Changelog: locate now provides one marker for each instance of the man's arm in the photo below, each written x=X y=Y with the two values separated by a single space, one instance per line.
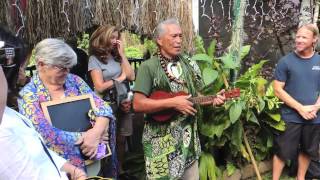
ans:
x=65 y=166
x=316 y=106
x=304 y=111
x=125 y=65
x=141 y=103
x=74 y=172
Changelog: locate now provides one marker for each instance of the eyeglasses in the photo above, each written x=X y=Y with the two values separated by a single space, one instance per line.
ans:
x=59 y=68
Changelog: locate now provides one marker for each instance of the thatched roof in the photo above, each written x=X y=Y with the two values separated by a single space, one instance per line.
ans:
x=62 y=18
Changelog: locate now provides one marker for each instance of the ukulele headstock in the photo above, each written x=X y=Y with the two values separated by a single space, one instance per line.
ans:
x=233 y=93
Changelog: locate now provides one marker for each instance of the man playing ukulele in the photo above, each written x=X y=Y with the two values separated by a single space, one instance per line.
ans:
x=171 y=146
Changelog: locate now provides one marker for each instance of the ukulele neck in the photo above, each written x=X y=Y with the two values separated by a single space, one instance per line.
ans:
x=202 y=99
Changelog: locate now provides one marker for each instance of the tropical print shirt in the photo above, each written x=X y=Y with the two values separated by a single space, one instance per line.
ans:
x=60 y=141
x=172 y=146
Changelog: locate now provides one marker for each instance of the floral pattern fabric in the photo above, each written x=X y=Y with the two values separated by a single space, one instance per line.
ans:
x=60 y=141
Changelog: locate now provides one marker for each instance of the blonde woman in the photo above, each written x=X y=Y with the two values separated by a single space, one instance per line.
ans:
x=109 y=67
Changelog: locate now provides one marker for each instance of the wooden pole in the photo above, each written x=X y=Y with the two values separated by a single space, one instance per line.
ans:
x=256 y=169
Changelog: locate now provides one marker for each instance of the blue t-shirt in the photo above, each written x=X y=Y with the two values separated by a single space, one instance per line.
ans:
x=302 y=82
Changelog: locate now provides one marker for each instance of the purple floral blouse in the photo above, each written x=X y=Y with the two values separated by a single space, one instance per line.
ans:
x=58 y=140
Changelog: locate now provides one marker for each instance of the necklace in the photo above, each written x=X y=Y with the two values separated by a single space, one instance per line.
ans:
x=172 y=68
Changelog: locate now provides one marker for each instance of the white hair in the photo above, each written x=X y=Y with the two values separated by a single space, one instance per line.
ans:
x=160 y=30
x=55 y=52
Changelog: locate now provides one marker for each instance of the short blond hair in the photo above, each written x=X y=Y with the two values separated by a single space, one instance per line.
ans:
x=311 y=27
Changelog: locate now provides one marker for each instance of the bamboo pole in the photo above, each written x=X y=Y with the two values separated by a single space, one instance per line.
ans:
x=254 y=163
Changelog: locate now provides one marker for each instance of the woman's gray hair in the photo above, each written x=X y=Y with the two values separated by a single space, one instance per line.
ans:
x=160 y=30
x=55 y=52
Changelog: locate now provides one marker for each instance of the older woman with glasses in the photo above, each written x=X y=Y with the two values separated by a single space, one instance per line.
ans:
x=53 y=81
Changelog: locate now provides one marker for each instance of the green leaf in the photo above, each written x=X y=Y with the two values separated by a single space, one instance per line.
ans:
x=244 y=152
x=210 y=129
x=237 y=133
x=280 y=126
x=250 y=116
x=235 y=111
x=207 y=167
x=270 y=91
x=228 y=62
x=262 y=104
x=209 y=75
x=202 y=57
x=230 y=169
x=199 y=45
x=253 y=71
x=244 y=51
x=261 y=82
x=270 y=104
x=219 y=142
x=269 y=141
x=276 y=117
x=203 y=167
x=212 y=48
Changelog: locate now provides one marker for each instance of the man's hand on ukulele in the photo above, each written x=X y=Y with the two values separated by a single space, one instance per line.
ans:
x=219 y=99
x=183 y=105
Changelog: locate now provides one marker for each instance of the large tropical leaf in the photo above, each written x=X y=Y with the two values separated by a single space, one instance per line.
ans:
x=207 y=167
x=228 y=62
x=250 y=116
x=235 y=111
x=230 y=168
x=202 y=57
x=270 y=91
x=261 y=104
x=237 y=134
x=199 y=45
x=261 y=83
x=244 y=51
x=280 y=126
x=276 y=117
x=253 y=71
x=210 y=129
x=212 y=48
x=209 y=75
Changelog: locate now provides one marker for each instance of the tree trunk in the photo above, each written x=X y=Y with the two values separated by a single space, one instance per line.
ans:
x=316 y=12
x=306 y=12
x=237 y=32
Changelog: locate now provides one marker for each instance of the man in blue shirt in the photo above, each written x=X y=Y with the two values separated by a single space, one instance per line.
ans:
x=297 y=84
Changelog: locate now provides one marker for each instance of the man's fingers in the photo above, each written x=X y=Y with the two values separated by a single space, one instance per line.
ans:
x=85 y=151
x=79 y=141
x=93 y=154
x=220 y=97
x=309 y=116
x=191 y=111
x=105 y=138
x=222 y=91
x=188 y=112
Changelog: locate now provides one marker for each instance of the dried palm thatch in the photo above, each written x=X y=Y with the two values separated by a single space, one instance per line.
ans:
x=62 y=18
x=5 y=11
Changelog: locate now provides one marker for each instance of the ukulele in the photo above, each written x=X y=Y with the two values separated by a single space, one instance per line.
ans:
x=165 y=115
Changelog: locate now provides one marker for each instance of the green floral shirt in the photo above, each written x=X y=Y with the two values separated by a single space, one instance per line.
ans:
x=171 y=146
